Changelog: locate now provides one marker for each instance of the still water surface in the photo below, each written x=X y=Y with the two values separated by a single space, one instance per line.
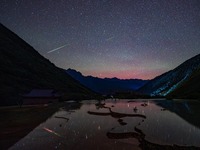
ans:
x=117 y=124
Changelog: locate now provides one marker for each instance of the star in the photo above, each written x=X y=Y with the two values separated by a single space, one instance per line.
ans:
x=124 y=39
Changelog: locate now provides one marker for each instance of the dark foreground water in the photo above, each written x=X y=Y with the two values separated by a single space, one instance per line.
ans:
x=117 y=124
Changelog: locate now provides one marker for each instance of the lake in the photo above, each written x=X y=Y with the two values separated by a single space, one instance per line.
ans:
x=117 y=124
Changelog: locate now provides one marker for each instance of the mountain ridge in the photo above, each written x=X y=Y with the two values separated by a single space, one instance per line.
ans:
x=22 y=68
x=189 y=89
x=166 y=83
x=106 y=85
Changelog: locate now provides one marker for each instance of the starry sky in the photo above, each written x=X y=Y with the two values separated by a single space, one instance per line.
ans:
x=108 y=38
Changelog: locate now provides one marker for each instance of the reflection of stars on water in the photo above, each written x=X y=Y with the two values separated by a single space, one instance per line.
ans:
x=143 y=112
x=99 y=127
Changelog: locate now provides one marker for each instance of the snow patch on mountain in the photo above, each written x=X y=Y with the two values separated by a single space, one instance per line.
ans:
x=168 y=82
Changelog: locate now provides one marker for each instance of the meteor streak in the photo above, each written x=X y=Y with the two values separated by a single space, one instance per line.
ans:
x=108 y=39
x=51 y=131
x=57 y=48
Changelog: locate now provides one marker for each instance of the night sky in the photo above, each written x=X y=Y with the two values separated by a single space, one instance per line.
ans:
x=108 y=38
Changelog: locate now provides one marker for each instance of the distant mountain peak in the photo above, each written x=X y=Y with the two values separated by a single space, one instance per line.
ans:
x=106 y=85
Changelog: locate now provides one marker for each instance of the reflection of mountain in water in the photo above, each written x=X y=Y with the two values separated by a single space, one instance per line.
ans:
x=113 y=124
x=188 y=110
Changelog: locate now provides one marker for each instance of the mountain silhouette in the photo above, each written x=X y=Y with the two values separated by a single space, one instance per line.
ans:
x=22 y=68
x=189 y=89
x=184 y=78
x=107 y=85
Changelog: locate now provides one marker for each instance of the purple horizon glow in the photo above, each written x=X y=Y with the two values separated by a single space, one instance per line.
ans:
x=108 y=38
x=125 y=74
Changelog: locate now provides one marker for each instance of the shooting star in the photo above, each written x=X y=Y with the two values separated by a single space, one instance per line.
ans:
x=108 y=39
x=53 y=50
